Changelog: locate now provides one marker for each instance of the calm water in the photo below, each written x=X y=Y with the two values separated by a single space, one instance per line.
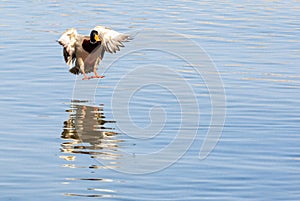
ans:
x=53 y=148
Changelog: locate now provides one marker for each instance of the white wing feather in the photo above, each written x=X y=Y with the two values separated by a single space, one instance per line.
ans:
x=68 y=41
x=111 y=40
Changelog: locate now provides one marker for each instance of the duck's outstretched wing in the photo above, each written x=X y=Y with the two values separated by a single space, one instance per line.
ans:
x=68 y=41
x=111 y=40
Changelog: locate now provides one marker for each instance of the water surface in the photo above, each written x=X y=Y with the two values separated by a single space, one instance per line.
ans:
x=52 y=148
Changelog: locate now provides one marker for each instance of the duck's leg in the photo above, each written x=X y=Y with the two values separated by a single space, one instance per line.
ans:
x=85 y=77
x=81 y=65
x=95 y=71
x=96 y=74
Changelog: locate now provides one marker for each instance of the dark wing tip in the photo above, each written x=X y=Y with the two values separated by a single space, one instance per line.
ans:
x=59 y=42
x=66 y=55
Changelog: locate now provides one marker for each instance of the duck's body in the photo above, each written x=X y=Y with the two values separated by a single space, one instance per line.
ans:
x=88 y=51
x=87 y=54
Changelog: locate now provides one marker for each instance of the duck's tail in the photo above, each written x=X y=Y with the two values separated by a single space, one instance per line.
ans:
x=75 y=70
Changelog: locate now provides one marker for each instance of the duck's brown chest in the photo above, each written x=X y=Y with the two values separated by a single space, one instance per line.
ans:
x=88 y=46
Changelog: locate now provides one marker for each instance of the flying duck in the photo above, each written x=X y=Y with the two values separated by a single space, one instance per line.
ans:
x=88 y=51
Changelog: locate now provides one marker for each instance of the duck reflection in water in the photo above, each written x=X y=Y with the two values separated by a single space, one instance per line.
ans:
x=87 y=133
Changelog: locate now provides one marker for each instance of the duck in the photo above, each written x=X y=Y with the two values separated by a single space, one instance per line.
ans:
x=86 y=52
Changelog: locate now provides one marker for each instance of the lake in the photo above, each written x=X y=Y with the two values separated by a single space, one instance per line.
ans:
x=203 y=103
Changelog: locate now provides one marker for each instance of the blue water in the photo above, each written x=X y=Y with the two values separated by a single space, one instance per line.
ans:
x=55 y=149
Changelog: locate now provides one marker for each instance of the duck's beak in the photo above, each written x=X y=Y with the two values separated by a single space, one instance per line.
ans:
x=97 y=38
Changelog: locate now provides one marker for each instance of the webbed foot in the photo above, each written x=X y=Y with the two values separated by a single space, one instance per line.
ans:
x=98 y=76
x=86 y=78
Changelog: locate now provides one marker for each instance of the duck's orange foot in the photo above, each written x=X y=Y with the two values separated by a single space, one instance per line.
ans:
x=86 y=78
x=98 y=76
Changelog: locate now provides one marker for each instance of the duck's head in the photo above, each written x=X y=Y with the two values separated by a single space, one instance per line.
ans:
x=94 y=37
